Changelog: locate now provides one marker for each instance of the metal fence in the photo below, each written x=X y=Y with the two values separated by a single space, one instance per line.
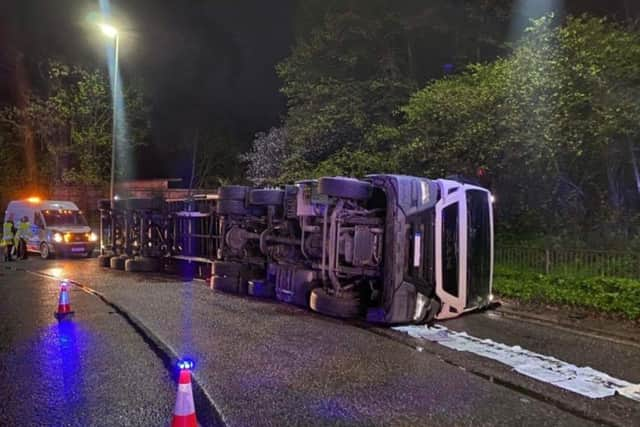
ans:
x=570 y=261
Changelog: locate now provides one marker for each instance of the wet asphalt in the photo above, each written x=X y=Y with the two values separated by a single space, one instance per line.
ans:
x=264 y=363
x=91 y=371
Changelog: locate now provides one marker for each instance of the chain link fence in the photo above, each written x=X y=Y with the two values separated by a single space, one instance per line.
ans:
x=580 y=262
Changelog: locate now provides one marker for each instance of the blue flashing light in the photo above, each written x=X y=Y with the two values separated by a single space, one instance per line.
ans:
x=186 y=364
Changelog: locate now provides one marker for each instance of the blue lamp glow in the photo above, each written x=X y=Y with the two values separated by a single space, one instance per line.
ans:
x=186 y=364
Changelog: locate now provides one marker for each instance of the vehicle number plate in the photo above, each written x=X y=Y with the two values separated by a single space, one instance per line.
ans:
x=77 y=249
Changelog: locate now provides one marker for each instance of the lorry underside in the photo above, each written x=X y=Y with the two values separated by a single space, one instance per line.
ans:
x=389 y=248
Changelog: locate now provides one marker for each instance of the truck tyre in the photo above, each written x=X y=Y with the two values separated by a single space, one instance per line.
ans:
x=233 y=192
x=265 y=197
x=347 y=188
x=104 y=260
x=261 y=289
x=434 y=309
x=231 y=207
x=229 y=285
x=258 y=211
x=345 y=306
x=142 y=264
x=117 y=262
x=301 y=293
x=226 y=269
x=45 y=252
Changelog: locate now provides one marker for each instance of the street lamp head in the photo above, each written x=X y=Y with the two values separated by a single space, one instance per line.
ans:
x=108 y=30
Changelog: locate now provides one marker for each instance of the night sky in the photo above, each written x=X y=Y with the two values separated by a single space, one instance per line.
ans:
x=203 y=63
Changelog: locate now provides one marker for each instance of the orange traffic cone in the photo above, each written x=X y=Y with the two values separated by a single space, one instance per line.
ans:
x=184 y=414
x=64 y=305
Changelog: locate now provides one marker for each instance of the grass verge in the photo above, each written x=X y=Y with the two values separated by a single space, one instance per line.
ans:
x=605 y=294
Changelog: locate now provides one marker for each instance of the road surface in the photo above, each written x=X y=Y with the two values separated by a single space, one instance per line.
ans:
x=265 y=363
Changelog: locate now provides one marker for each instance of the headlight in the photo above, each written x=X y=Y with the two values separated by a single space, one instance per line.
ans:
x=93 y=237
x=67 y=237
x=57 y=237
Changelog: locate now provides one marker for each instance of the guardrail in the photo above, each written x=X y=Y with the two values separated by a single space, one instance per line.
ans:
x=582 y=262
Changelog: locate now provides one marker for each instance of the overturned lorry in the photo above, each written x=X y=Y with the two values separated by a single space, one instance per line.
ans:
x=391 y=249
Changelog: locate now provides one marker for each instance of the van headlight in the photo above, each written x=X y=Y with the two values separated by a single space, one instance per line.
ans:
x=57 y=237
x=93 y=237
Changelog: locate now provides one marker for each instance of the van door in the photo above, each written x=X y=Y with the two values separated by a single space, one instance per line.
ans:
x=37 y=232
x=451 y=254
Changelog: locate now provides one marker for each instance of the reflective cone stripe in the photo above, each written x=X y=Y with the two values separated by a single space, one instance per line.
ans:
x=64 y=306
x=184 y=414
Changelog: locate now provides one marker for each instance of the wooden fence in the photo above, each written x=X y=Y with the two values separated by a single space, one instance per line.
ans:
x=571 y=261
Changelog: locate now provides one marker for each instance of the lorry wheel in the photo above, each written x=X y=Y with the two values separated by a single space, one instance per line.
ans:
x=434 y=309
x=117 y=262
x=226 y=268
x=345 y=307
x=258 y=211
x=142 y=264
x=233 y=192
x=265 y=197
x=104 y=260
x=229 y=285
x=347 y=188
x=261 y=289
x=231 y=207
x=45 y=252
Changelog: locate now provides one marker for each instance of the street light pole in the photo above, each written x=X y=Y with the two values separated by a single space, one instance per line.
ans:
x=112 y=33
x=114 y=130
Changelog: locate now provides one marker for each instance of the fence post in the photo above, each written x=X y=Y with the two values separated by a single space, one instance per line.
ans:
x=547 y=261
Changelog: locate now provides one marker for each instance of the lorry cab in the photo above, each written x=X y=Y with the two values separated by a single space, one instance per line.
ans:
x=57 y=227
x=439 y=242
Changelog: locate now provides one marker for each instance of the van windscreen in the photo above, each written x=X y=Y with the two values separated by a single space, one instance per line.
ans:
x=63 y=218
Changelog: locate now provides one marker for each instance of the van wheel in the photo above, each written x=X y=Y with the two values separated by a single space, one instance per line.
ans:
x=346 y=306
x=45 y=252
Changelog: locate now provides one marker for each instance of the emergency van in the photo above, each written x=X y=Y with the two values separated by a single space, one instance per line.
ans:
x=57 y=227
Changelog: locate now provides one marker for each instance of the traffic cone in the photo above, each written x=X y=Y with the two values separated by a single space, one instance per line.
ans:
x=64 y=304
x=184 y=414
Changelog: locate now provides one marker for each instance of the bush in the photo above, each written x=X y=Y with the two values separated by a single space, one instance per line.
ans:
x=604 y=294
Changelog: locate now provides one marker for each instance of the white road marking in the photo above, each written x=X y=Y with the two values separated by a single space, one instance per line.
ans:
x=582 y=380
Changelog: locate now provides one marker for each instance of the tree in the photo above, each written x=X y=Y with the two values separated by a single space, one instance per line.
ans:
x=216 y=156
x=266 y=158
x=66 y=128
x=555 y=123
x=348 y=76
